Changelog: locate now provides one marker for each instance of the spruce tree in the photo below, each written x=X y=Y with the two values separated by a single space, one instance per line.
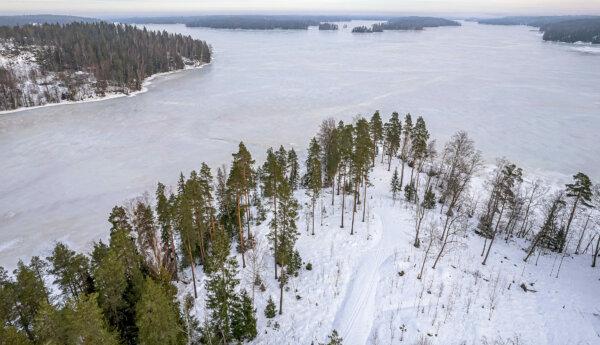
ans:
x=243 y=323
x=313 y=177
x=329 y=140
x=581 y=193
x=395 y=184
x=221 y=297
x=270 y=309
x=334 y=339
x=164 y=213
x=429 y=199
x=158 y=318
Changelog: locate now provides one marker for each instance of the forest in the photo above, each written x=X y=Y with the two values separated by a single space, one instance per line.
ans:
x=575 y=30
x=208 y=225
x=114 y=58
x=43 y=19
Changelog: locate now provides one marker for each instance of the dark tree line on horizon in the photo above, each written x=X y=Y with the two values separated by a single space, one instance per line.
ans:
x=568 y=29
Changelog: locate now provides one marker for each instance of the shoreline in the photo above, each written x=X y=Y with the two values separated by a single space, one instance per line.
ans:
x=147 y=82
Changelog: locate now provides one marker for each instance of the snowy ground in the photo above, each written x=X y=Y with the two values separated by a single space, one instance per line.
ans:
x=356 y=286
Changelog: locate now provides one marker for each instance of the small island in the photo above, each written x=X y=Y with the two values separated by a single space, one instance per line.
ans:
x=417 y=23
x=328 y=26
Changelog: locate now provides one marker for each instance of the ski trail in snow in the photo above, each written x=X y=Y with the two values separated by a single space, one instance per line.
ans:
x=355 y=316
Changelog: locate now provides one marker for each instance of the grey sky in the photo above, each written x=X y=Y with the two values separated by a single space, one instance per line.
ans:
x=99 y=7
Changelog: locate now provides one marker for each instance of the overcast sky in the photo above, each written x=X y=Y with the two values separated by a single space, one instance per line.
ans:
x=132 y=7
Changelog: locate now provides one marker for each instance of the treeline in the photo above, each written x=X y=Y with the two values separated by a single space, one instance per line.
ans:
x=569 y=29
x=536 y=21
x=43 y=19
x=291 y=22
x=417 y=23
x=328 y=26
x=119 y=57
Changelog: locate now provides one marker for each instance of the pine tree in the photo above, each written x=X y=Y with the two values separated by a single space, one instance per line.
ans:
x=361 y=162
x=395 y=184
x=158 y=318
x=272 y=183
x=329 y=138
x=243 y=321
x=346 y=144
x=240 y=181
x=392 y=133
x=164 y=212
x=270 y=309
x=286 y=254
x=30 y=294
x=313 y=177
x=581 y=193
x=294 y=169
x=376 y=126
x=407 y=132
x=71 y=270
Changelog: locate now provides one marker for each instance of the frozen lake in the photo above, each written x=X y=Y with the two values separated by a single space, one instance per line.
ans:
x=63 y=168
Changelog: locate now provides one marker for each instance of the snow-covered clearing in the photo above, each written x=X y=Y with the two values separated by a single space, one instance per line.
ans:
x=366 y=287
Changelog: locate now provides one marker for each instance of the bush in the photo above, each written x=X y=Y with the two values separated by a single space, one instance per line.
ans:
x=309 y=266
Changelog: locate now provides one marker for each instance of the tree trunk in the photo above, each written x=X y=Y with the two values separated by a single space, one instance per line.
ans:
x=313 y=215
x=280 y=298
x=488 y=250
x=241 y=231
x=596 y=252
x=582 y=234
x=354 y=207
x=364 y=200
x=343 y=200
x=401 y=173
x=562 y=246
x=192 y=264
x=333 y=191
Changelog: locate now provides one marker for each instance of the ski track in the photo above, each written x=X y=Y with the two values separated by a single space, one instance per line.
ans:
x=356 y=314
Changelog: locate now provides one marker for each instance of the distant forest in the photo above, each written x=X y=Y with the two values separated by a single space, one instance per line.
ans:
x=571 y=31
x=567 y=29
x=290 y=22
x=417 y=23
x=116 y=55
x=43 y=19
